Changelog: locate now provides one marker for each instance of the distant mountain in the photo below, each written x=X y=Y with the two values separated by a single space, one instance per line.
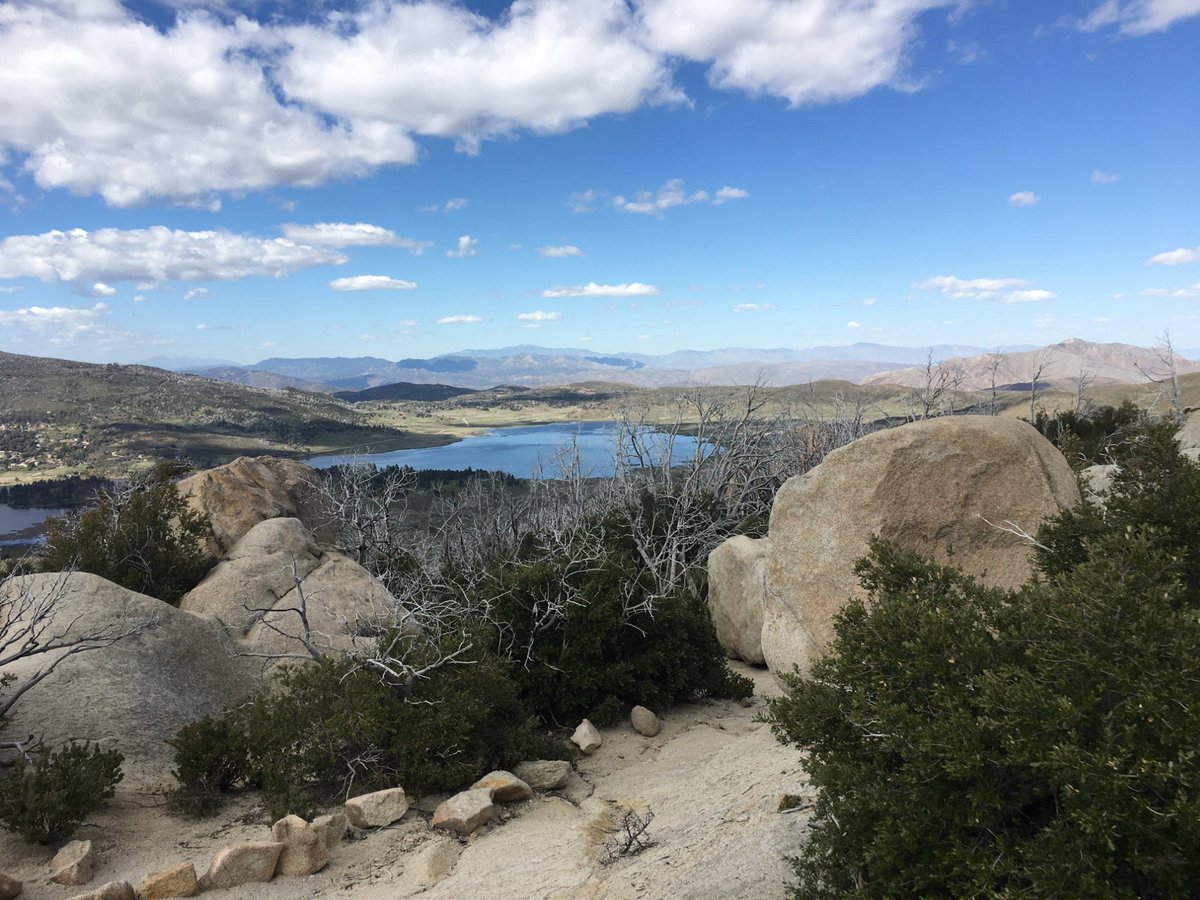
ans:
x=259 y=378
x=404 y=390
x=1061 y=364
x=185 y=363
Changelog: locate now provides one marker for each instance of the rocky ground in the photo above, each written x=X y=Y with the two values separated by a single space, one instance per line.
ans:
x=713 y=778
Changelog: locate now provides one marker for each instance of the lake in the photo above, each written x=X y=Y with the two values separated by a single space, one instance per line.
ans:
x=23 y=526
x=521 y=452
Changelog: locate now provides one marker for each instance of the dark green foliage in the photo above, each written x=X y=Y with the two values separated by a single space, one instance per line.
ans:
x=46 y=800
x=1089 y=437
x=144 y=537
x=324 y=727
x=1037 y=743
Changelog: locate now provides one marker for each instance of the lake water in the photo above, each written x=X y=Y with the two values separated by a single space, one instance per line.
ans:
x=521 y=452
x=23 y=526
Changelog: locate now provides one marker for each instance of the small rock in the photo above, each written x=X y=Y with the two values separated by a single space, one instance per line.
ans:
x=332 y=828
x=74 y=864
x=9 y=887
x=113 y=890
x=465 y=811
x=304 y=851
x=644 y=721
x=746 y=702
x=378 y=809
x=433 y=862
x=177 y=881
x=253 y=861
x=587 y=738
x=505 y=787
x=544 y=774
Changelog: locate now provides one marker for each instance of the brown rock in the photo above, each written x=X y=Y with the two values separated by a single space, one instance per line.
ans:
x=332 y=828
x=544 y=774
x=113 y=890
x=737 y=579
x=432 y=863
x=465 y=811
x=9 y=887
x=644 y=722
x=73 y=864
x=927 y=486
x=505 y=787
x=239 y=495
x=253 y=861
x=304 y=850
x=587 y=738
x=177 y=881
x=378 y=809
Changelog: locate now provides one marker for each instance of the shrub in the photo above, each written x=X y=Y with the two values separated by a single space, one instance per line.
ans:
x=46 y=800
x=142 y=535
x=1034 y=743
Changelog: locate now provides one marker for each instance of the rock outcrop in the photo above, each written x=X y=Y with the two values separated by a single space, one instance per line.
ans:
x=644 y=721
x=544 y=774
x=239 y=495
x=737 y=584
x=271 y=567
x=377 y=809
x=304 y=851
x=248 y=863
x=932 y=487
x=177 y=881
x=131 y=695
x=74 y=864
x=465 y=811
x=505 y=787
x=587 y=738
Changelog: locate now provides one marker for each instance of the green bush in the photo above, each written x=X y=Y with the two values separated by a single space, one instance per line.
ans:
x=46 y=800
x=970 y=742
x=326 y=727
x=144 y=537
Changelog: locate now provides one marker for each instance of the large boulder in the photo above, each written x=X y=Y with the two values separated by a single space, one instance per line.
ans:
x=942 y=487
x=276 y=564
x=133 y=694
x=737 y=584
x=239 y=495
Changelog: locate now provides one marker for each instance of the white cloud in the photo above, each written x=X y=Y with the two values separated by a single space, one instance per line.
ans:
x=98 y=101
x=371 y=283
x=806 y=53
x=1029 y=296
x=466 y=247
x=753 y=307
x=100 y=289
x=138 y=298
x=670 y=195
x=970 y=288
x=454 y=204
x=1024 y=198
x=200 y=326
x=343 y=234
x=583 y=340
x=1184 y=293
x=1175 y=257
x=591 y=289
x=869 y=301
x=539 y=316
x=1138 y=17
x=558 y=252
x=1099 y=177
x=853 y=324
x=582 y=201
x=729 y=193
x=154 y=254
x=459 y=320
x=193 y=293
x=63 y=324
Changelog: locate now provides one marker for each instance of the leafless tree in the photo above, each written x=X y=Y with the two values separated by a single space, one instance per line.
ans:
x=995 y=363
x=1083 y=384
x=938 y=392
x=38 y=623
x=1166 y=375
x=1039 y=362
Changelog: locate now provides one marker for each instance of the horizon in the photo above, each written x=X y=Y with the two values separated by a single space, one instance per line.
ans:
x=247 y=180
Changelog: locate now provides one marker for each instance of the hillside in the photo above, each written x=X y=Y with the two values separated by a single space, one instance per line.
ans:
x=403 y=390
x=59 y=416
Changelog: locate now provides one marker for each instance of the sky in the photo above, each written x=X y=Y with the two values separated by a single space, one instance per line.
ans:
x=238 y=180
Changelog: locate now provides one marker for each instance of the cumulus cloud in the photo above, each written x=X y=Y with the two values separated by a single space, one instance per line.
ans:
x=343 y=234
x=558 y=252
x=151 y=255
x=1099 y=177
x=100 y=289
x=853 y=324
x=459 y=320
x=670 y=195
x=371 y=283
x=1175 y=257
x=62 y=324
x=466 y=247
x=1029 y=296
x=753 y=307
x=806 y=53
x=591 y=289
x=980 y=288
x=1136 y=17
x=1024 y=198
x=539 y=316
x=191 y=294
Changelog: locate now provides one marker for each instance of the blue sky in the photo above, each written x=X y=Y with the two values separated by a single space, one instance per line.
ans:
x=243 y=180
